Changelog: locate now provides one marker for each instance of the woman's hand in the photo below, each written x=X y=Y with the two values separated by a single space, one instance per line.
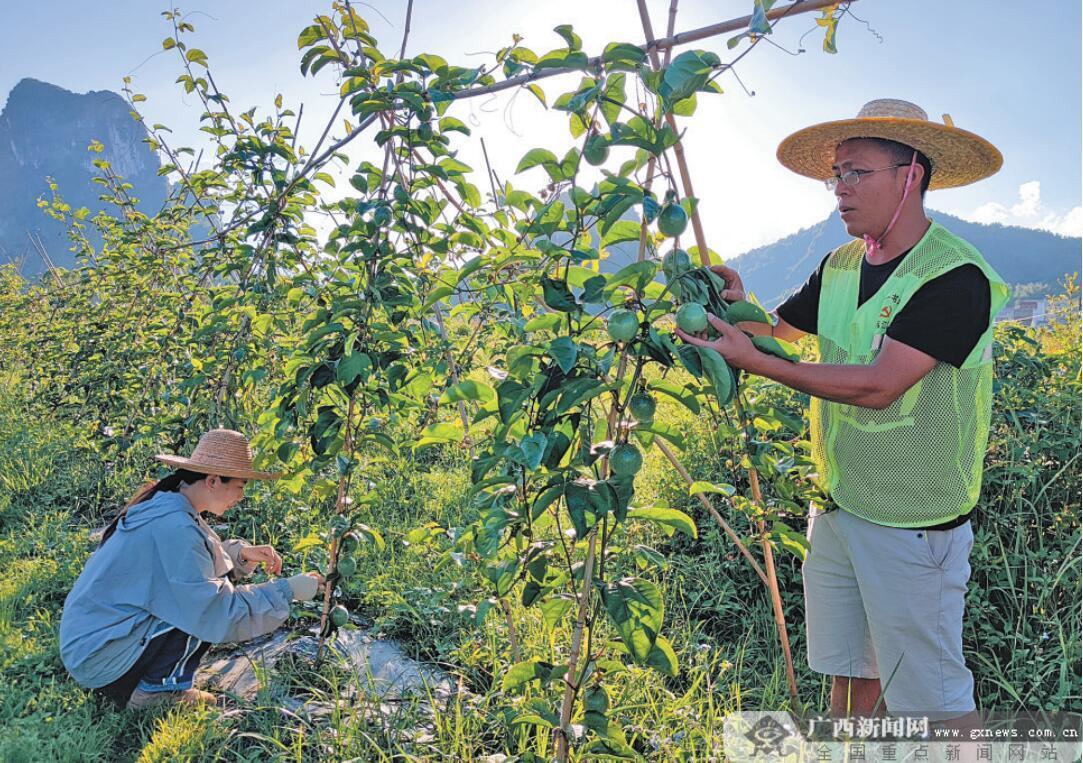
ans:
x=265 y=555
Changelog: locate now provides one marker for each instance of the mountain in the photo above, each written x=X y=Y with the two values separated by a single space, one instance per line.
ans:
x=44 y=132
x=1031 y=260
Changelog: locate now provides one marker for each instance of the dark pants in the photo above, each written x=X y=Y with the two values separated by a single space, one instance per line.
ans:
x=168 y=663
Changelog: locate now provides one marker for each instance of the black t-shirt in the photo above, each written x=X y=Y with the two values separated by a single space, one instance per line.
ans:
x=944 y=319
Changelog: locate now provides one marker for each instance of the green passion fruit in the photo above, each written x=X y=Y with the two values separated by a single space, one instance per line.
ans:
x=625 y=460
x=596 y=150
x=349 y=543
x=676 y=263
x=642 y=407
x=339 y=524
x=623 y=325
x=672 y=220
x=339 y=615
x=346 y=567
x=692 y=318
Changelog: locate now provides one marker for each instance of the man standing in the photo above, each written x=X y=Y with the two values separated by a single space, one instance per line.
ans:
x=900 y=408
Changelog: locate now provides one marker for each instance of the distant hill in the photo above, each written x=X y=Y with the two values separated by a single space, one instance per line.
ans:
x=1034 y=259
x=44 y=132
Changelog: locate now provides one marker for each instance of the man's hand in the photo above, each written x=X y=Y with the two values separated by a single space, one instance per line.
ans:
x=732 y=343
x=265 y=555
x=735 y=289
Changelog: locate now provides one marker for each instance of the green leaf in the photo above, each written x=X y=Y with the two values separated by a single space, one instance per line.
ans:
x=759 y=24
x=531 y=450
x=536 y=157
x=565 y=352
x=310 y=35
x=570 y=37
x=636 y=609
x=562 y=59
x=197 y=56
x=662 y=657
x=468 y=389
x=525 y=672
x=510 y=397
x=557 y=296
x=685 y=107
x=794 y=542
x=553 y=610
x=625 y=230
x=830 y=23
x=437 y=294
x=702 y=486
x=352 y=366
x=666 y=517
x=538 y=93
x=312 y=540
x=544 y=322
x=619 y=55
x=442 y=432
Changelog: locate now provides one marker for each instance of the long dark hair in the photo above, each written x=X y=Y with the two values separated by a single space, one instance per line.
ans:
x=168 y=484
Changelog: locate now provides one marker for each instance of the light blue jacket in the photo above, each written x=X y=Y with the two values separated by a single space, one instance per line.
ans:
x=163 y=565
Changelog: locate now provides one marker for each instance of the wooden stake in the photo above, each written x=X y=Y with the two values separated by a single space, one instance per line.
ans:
x=757 y=497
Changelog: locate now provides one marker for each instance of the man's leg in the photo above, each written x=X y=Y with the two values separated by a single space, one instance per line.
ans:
x=839 y=641
x=856 y=696
x=913 y=584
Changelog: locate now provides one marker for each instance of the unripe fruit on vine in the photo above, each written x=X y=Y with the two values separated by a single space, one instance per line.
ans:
x=349 y=543
x=346 y=567
x=596 y=150
x=642 y=407
x=623 y=325
x=692 y=318
x=424 y=131
x=672 y=220
x=625 y=460
x=676 y=263
x=339 y=615
x=339 y=524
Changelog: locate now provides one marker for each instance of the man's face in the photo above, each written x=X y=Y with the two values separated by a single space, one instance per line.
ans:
x=867 y=207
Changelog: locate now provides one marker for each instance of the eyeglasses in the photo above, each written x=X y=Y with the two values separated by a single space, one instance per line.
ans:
x=853 y=177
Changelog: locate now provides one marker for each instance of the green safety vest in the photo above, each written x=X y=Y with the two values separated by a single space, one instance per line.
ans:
x=918 y=462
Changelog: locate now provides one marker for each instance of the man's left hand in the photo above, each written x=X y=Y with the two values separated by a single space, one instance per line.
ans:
x=265 y=555
x=731 y=343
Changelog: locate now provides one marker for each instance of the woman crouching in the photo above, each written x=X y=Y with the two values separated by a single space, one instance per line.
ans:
x=161 y=588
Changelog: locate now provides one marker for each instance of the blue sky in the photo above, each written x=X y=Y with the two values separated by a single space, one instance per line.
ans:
x=1009 y=71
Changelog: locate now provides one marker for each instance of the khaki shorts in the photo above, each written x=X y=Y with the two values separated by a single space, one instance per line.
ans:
x=887 y=602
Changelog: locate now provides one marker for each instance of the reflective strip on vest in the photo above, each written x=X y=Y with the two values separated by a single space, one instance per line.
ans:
x=919 y=461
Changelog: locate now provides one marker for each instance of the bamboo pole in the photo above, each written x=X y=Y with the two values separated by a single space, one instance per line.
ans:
x=757 y=497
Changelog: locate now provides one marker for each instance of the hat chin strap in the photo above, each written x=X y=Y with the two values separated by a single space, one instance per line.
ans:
x=873 y=245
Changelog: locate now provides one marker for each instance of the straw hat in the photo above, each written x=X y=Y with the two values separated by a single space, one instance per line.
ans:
x=958 y=157
x=222 y=452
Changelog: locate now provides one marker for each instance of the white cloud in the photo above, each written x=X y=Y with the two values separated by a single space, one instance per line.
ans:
x=1028 y=212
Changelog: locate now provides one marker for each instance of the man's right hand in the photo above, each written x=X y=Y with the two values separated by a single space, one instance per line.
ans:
x=735 y=289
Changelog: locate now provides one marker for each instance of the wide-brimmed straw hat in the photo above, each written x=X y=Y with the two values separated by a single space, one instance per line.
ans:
x=222 y=452
x=957 y=157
